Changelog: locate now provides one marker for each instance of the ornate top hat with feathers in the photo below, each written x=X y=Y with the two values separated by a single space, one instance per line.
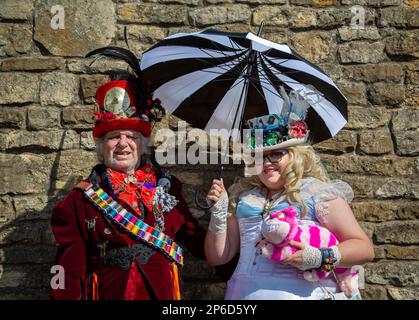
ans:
x=286 y=129
x=125 y=103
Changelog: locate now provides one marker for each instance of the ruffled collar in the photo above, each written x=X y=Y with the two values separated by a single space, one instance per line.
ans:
x=131 y=188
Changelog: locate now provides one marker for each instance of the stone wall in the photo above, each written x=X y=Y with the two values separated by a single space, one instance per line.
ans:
x=46 y=96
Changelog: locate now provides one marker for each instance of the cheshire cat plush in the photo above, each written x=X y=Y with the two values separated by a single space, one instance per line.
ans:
x=283 y=226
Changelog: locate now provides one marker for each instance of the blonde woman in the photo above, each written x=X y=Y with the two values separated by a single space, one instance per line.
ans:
x=292 y=175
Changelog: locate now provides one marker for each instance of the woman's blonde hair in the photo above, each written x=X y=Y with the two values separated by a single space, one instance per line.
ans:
x=303 y=163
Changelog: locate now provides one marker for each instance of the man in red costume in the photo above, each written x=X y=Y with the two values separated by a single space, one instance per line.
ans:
x=119 y=231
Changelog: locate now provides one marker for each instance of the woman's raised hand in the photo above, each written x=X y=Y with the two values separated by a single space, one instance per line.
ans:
x=217 y=189
x=218 y=194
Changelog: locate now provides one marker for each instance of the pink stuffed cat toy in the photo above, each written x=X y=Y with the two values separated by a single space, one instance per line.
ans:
x=283 y=226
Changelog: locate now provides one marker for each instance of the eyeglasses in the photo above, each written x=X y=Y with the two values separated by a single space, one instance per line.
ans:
x=275 y=156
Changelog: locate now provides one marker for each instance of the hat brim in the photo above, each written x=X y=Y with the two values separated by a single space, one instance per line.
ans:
x=120 y=124
x=289 y=143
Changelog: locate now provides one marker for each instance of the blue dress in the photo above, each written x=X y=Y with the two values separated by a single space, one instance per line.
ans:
x=257 y=277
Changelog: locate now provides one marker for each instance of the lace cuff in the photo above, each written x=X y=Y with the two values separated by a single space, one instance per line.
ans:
x=330 y=191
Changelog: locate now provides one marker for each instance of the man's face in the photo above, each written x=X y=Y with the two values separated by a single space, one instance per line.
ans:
x=122 y=150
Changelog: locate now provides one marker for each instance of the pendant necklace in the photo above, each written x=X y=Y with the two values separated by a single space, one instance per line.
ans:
x=266 y=208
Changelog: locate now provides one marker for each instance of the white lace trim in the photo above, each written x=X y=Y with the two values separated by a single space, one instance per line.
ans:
x=327 y=192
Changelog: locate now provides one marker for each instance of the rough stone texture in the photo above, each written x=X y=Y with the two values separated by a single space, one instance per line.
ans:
x=32 y=64
x=361 y=52
x=12 y=117
x=394 y=273
x=374 y=72
x=144 y=13
x=407 y=142
x=44 y=117
x=349 y=34
x=84 y=29
x=219 y=15
x=397 y=232
x=19 y=87
x=355 y=92
x=403 y=294
x=376 y=142
x=399 y=17
x=404 y=43
x=406 y=119
x=322 y=46
x=343 y=142
x=386 y=94
x=273 y=16
x=15 y=39
x=47 y=94
x=52 y=139
x=16 y=9
x=31 y=176
x=367 y=118
x=78 y=117
x=59 y=88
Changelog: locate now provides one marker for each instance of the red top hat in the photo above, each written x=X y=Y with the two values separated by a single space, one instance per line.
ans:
x=119 y=108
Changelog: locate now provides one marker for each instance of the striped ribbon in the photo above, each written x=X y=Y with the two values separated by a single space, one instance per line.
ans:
x=115 y=212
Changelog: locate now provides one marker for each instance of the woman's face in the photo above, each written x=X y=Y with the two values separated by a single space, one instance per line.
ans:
x=122 y=150
x=273 y=171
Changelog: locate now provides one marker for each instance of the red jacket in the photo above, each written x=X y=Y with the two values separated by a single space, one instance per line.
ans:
x=80 y=253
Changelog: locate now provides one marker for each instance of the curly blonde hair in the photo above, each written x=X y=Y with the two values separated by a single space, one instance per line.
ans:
x=303 y=163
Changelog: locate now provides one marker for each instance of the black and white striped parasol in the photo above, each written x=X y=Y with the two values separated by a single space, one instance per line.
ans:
x=217 y=80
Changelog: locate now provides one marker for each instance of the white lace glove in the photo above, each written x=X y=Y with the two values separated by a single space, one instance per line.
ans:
x=218 y=222
x=312 y=257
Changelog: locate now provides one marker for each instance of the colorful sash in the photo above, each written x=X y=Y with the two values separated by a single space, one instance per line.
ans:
x=133 y=225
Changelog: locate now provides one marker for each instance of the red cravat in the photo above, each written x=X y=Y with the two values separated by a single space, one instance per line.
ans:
x=130 y=188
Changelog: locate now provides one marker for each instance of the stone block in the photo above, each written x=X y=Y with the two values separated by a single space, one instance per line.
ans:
x=102 y=65
x=407 y=142
x=349 y=34
x=32 y=64
x=18 y=87
x=89 y=85
x=152 y=13
x=403 y=43
x=15 y=39
x=59 y=88
x=78 y=117
x=396 y=273
x=43 y=117
x=375 y=142
x=7 y=212
x=396 y=187
x=12 y=117
x=398 y=17
x=82 y=31
x=321 y=48
x=52 y=140
x=343 y=142
x=374 y=292
x=386 y=94
x=397 y=232
x=273 y=16
x=386 y=72
x=219 y=15
x=361 y=52
x=86 y=140
x=16 y=9
x=355 y=92
x=403 y=293
x=405 y=119
x=367 y=118
x=31 y=176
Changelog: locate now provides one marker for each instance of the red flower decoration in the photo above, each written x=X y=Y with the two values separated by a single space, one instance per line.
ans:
x=103 y=117
x=149 y=102
x=298 y=129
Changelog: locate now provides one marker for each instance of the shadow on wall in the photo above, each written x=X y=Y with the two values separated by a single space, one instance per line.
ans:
x=28 y=248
